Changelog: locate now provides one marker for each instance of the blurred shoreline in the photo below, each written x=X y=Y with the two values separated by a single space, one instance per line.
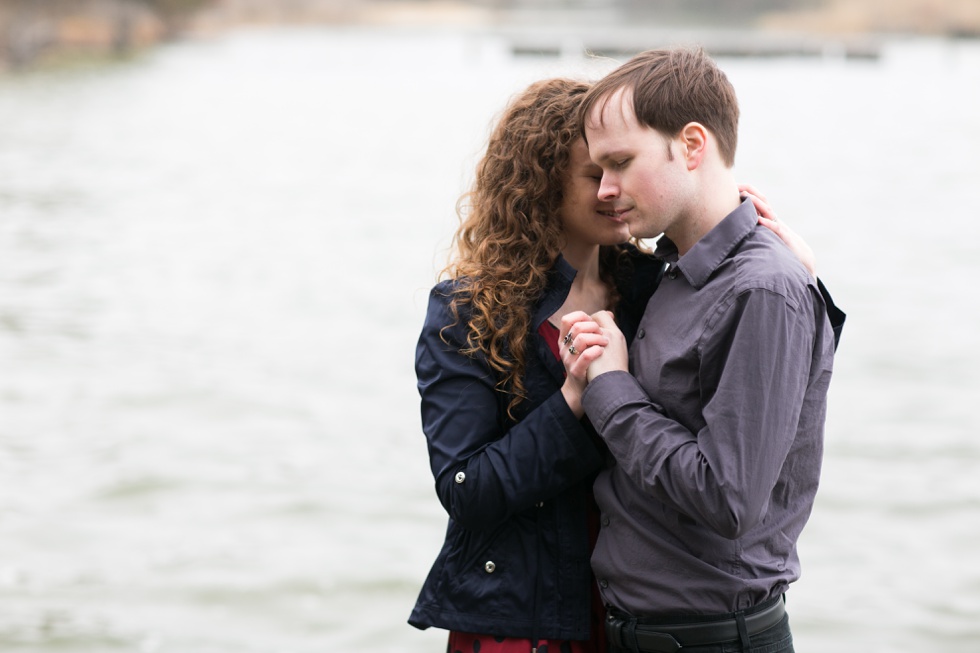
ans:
x=40 y=33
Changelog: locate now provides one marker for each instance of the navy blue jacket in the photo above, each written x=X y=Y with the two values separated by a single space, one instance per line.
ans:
x=516 y=557
x=515 y=561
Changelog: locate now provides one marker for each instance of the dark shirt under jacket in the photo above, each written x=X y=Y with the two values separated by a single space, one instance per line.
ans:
x=717 y=436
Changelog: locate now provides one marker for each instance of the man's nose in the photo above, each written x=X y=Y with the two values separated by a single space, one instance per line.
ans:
x=608 y=188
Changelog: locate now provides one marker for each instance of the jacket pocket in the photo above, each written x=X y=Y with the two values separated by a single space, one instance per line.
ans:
x=487 y=571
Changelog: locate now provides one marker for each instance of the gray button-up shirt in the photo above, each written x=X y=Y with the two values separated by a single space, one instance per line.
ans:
x=717 y=436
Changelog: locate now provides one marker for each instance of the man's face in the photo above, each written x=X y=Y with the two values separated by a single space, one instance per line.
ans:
x=644 y=177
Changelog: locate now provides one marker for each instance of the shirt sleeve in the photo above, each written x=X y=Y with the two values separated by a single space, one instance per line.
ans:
x=485 y=469
x=754 y=370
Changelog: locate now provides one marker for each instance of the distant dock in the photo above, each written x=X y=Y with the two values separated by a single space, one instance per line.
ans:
x=758 y=45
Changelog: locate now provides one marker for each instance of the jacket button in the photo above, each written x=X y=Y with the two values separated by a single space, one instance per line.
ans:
x=539 y=504
x=460 y=477
x=641 y=333
x=489 y=566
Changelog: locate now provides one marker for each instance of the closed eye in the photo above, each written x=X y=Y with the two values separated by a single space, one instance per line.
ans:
x=593 y=172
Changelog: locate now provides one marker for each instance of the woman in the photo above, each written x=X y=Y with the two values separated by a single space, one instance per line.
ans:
x=512 y=456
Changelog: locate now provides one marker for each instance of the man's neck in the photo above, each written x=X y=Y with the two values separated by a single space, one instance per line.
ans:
x=718 y=198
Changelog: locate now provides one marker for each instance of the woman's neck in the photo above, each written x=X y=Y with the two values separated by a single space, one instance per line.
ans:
x=585 y=260
x=588 y=292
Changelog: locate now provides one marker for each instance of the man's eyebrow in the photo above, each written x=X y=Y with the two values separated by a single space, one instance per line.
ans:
x=609 y=155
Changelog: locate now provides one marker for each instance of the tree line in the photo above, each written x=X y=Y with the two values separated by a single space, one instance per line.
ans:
x=32 y=29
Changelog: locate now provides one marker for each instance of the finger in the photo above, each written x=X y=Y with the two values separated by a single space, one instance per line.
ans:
x=781 y=229
x=752 y=190
x=605 y=320
x=771 y=224
x=762 y=207
x=589 y=355
x=578 y=328
x=797 y=245
x=568 y=321
x=583 y=341
x=580 y=366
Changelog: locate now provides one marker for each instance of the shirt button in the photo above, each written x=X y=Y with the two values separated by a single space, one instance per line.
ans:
x=641 y=333
x=673 y=273
x=460 y=477
x=489 y=566
x=603 y=583
x=605 y=521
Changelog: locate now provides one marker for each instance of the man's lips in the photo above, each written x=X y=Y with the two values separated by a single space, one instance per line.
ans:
x=619 y=215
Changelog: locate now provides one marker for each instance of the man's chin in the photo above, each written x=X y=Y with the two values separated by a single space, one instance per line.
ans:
x=642 y=231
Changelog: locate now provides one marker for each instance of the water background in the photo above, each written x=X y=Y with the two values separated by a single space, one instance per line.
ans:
x=214 y=260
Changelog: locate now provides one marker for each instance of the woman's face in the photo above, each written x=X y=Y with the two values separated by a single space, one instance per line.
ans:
x=586 y=220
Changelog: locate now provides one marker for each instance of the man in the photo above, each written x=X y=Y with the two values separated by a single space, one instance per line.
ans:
x=717 y=435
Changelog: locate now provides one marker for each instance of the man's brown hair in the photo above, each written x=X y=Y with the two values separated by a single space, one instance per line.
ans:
x=672 y=87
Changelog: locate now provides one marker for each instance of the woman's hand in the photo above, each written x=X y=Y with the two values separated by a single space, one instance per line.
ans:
x=768 y=219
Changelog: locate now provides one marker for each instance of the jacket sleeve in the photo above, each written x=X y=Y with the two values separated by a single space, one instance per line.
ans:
x=485 y=471
x=836 y=315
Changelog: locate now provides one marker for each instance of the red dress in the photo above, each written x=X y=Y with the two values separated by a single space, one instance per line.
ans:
x=473 y=643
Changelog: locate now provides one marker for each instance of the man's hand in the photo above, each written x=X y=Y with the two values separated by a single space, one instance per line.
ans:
x=615 y=355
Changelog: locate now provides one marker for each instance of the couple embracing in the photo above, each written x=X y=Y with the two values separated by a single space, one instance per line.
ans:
x=627 y=443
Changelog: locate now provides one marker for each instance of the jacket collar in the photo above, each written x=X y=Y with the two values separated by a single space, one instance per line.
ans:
x=560 y=279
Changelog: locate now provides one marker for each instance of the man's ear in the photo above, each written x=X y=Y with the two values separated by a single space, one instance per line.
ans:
x=694 y=143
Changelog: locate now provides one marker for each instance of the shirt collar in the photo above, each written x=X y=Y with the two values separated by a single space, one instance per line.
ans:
x=700 y=262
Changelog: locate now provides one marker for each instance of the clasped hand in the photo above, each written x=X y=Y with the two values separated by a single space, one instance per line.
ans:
x=590 y=345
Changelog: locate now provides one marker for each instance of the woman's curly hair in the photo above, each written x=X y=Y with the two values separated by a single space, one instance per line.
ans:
x=511 y=233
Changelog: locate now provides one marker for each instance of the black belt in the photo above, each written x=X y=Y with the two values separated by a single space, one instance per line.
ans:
x=667 y=638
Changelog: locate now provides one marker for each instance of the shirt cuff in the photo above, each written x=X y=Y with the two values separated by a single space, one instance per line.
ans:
x=610 y=391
